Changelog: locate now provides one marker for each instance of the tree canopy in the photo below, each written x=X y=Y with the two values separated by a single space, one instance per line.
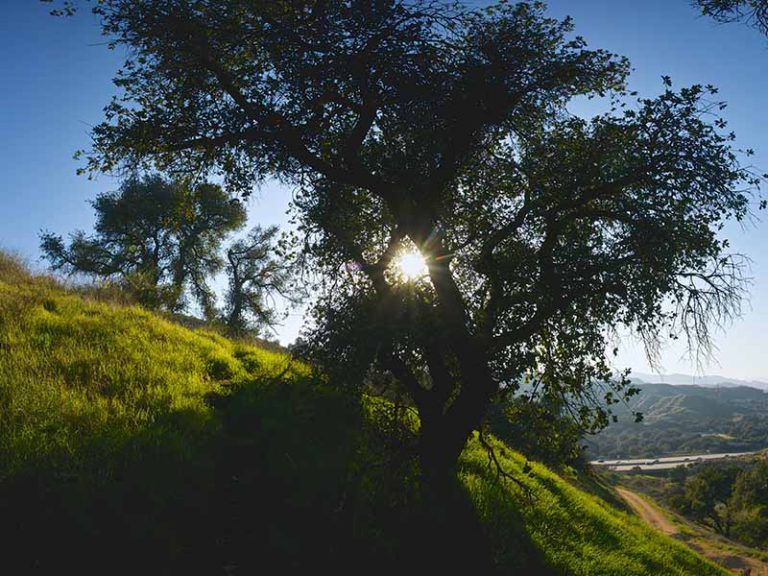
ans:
x=437 y=127
x=158 y=237
x=752 y=12
x=256 y=271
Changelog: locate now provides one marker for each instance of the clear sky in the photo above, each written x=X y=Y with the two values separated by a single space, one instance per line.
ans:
x=56 y=77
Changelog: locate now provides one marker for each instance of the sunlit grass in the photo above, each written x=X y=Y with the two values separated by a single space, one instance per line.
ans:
x=78 y=377
x=577 y=532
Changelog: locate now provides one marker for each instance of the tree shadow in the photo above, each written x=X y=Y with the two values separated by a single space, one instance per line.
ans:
x=288 y=478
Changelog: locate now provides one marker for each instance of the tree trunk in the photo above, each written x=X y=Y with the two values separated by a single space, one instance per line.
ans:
x=439 y=450
x=452 y=537
x=234 y=321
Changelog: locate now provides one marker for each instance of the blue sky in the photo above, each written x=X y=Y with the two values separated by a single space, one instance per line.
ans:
x=56 y=77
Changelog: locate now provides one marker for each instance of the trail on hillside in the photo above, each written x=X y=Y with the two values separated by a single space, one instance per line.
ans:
x=696 y=538
x=647 y=512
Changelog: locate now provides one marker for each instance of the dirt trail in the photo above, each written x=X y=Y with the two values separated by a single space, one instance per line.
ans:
x=647 y=512
x=705 y=544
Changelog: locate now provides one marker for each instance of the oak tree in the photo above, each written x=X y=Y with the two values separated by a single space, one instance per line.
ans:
x=752 y=12
x=441 y=128
x=159 y=238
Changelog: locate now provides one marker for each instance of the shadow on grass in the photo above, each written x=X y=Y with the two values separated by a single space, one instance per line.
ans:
x=287 y=478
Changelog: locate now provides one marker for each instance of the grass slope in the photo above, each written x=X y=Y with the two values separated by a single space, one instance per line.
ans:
x=576 y=531
x=726 y=552
x=131 y=444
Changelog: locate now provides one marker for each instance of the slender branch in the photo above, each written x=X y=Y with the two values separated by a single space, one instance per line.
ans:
x=500 y=471
x=505 y=231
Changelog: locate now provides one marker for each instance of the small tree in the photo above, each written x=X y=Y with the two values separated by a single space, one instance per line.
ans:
x=707 y=493
x=749 y=505
x=157 y=237
x=255 y=272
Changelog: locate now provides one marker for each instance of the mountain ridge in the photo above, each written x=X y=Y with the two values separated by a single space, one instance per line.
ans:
x=710 y=380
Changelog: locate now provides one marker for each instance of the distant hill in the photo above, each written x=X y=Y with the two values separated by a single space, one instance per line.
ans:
x=130 y=444
x=686 y=419
x=689 y=379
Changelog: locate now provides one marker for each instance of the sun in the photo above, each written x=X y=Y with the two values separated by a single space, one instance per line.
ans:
x=411 y=265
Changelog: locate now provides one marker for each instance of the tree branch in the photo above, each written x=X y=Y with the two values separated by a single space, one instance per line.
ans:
x=273 y=125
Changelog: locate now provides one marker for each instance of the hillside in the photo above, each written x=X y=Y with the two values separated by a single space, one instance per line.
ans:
x=650 y=497
x=739 y=558
x=131 y=444
x=686 y=419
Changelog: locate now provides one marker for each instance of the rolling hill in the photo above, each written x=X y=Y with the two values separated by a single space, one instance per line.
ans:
x=690 y=379
x=130 y=444
x=686 y=419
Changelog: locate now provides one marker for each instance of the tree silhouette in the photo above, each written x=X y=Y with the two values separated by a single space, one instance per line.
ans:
x=158 y=237
x=255 y=273
x=753 y=12
x=434 y=126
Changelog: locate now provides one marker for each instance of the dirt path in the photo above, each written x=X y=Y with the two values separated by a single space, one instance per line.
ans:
x=708 y=545
x=647 y=512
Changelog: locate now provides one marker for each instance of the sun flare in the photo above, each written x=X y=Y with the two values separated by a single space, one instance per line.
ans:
x=411 y=265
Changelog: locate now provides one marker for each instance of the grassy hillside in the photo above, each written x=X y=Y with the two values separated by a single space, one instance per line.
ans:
x=655 y=492
x=131 y=444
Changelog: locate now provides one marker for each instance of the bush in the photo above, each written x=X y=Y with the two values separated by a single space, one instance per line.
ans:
x=750 y=525
x=13 y=268
x=535 y=431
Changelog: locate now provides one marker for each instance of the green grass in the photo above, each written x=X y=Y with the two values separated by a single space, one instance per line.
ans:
x=130 y=444
x=577 y=532
x=655 y=489
x=82 y=380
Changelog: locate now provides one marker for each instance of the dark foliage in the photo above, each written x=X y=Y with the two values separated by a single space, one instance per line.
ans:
x=752 y=12
x=541 y=432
